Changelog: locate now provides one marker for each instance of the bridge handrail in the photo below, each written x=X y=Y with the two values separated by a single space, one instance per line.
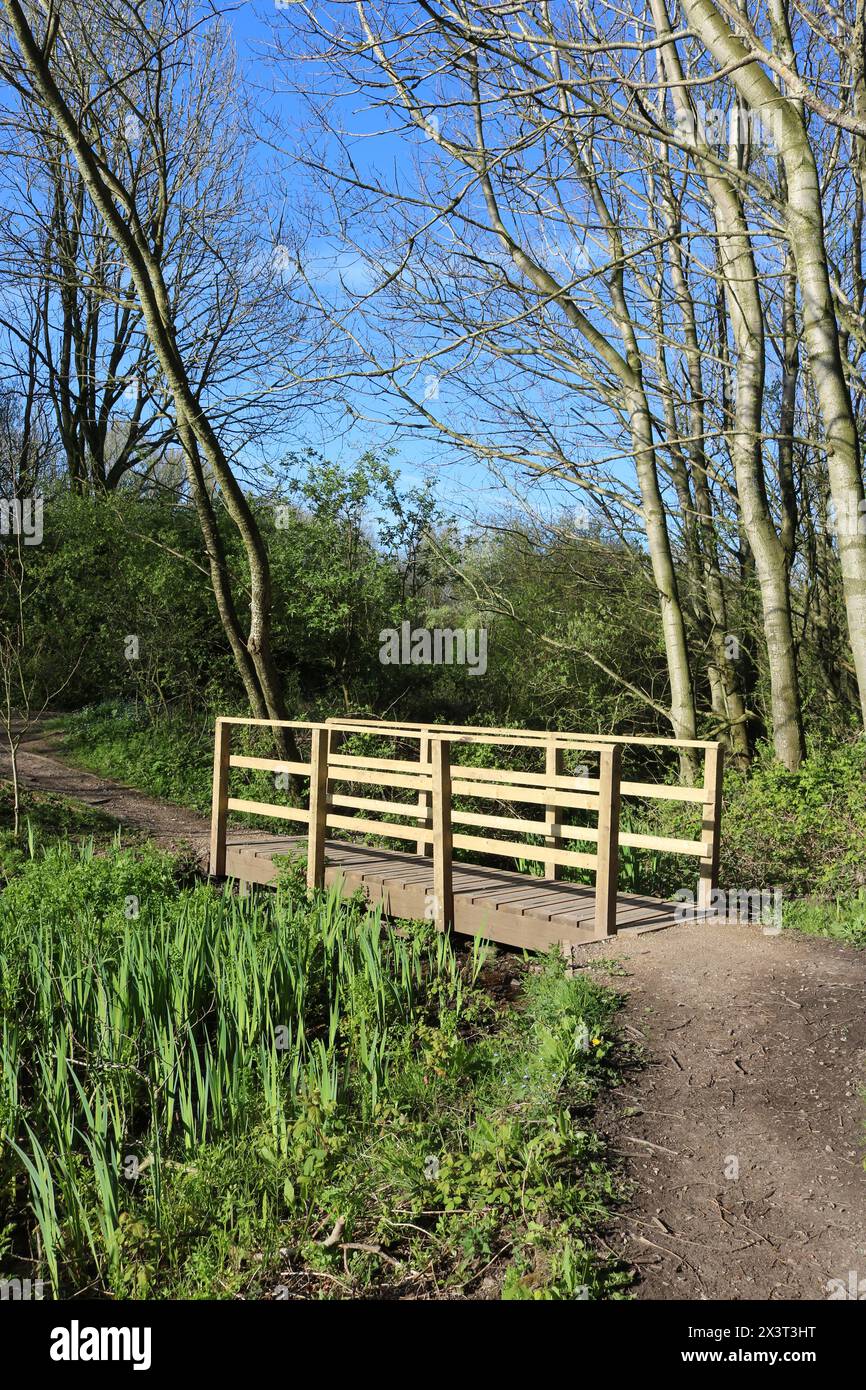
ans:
x=436 y=778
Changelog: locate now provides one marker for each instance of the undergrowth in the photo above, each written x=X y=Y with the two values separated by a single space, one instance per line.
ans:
x=281 y=1096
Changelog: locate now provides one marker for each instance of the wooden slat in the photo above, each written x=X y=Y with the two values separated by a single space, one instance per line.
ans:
x=507 y=898
x=576 y=744
x=577 y=909
x=662 y=791
x=270 y=764
x=515 y=849
x=405 y=873
x=372 y=827
x=530 y=779
x=381 y=779
x=387 y=764
x=523 y=827
x=627 y=914
x=495 y=885
x=527 y=795
x=263 y=808
x=387 y=808
x=478 y=732
x=515 y=738
x=540 y=735
x=662 y=842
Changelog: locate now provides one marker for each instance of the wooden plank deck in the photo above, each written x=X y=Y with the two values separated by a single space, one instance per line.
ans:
x=504 y=906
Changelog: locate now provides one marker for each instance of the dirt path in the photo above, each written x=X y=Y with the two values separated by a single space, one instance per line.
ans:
x=743 y=1132
x=172 y=827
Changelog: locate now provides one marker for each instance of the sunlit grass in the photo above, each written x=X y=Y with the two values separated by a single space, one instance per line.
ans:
x=192 y=1083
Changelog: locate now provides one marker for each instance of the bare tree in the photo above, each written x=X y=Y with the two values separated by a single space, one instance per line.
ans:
x=547 y=136
x=144 y=63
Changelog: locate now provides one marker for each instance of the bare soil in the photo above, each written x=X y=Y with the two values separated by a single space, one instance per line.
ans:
x=741 y=1131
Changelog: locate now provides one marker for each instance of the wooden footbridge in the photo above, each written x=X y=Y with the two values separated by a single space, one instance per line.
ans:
x=428 y=789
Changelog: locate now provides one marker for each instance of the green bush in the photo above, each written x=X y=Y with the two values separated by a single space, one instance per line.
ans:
x=804 y=831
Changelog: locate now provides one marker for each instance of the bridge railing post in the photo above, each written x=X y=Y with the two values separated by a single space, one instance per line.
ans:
x=443 y=885
x=321 y=742
x=711 y=816
x=607 y=871
x=553 y=763
x=220 y=797
x=423 y=845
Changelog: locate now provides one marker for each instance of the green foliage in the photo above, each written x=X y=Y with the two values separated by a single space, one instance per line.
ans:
x=801 y=831
x=111 y=568
x=353 y=553
x=169 y=757
x=842 y=920
x=574 y=598
x=44 y=818
x=349 y=557
x=195 y=1088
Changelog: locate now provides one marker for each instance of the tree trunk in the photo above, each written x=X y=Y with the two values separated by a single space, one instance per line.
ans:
x=746 y=314
x=805 y=230
x=147 y=278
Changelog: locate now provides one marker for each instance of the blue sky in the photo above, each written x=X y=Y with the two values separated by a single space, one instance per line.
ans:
x=463 y=486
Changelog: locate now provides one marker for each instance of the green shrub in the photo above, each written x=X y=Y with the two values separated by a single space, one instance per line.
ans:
x=803 y=831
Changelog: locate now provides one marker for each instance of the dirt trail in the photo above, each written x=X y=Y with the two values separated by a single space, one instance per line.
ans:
x=742 y=1133
x=41 y=770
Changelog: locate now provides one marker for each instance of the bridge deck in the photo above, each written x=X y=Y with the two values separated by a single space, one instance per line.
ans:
x=507 y=907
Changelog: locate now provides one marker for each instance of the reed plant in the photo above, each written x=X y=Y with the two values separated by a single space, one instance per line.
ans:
x=193 y=1084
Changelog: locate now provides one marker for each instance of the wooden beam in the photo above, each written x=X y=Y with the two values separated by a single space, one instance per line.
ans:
x=379 y=779
x=321 y=740
x=607 y=873
x=443 y=884
x=662 y=791
x=219 y=797
x=538 y=735
x=424 y=844
x=269 y=809
x=587 y=833
x=540 y=780
x=387 y=829
x=552 y=769
x=271 y=765
x=711 y=824
x=369 y=803
x=367 y=763
x=518 y=849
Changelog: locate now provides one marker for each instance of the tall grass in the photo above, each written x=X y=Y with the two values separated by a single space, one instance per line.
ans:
x=129 y=1041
